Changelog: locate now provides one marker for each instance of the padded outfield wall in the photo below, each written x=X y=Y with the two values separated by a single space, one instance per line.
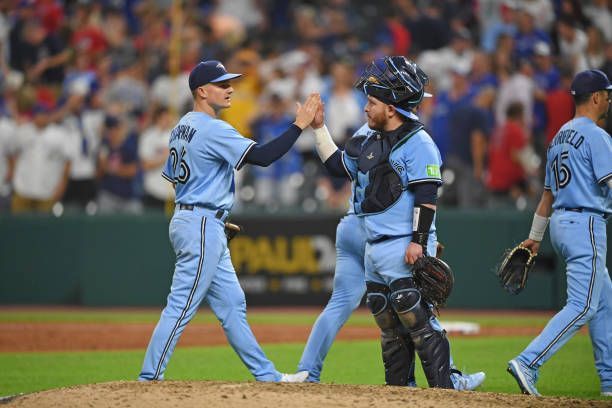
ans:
x=128 y=261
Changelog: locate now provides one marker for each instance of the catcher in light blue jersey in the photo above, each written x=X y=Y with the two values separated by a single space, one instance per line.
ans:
x=204 y=151
x=396 y=174
x=348 y=290
x=577 y=189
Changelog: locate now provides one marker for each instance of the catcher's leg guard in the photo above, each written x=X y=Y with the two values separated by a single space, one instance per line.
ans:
x=397 y=355
x=431 y=346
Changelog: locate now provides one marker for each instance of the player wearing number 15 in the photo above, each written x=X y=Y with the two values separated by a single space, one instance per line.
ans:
x=204 y=151
x=578 y=190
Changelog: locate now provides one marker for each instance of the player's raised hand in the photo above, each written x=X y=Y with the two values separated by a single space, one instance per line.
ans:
x=305 y=113
x=319 y=117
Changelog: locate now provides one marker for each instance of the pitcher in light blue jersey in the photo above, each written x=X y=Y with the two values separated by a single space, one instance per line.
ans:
x=577 y=190
x=204 y=151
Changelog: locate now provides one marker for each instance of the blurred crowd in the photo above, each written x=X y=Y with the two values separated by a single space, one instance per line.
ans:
x=89 y=91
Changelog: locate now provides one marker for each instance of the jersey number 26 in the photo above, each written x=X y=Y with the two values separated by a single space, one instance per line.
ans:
x=180 y=167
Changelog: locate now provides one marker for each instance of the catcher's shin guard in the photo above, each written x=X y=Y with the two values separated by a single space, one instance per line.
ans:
x=431 y=346
x=397 y=353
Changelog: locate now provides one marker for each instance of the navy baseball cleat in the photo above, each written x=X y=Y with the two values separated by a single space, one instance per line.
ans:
x=467 y=382
x=525 y=376
x=298 y=377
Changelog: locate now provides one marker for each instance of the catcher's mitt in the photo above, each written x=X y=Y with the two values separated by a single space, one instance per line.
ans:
x=434 y=278
x=514 y=269
x=231 y=230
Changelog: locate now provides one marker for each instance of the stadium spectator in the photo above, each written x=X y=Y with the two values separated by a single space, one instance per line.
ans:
x=40 y=55
x=439 y=63
x=82 y=117
x=598 y=11
x=152 y=153
x=528 y=34
x=276 y=184
x=43 y=154
x=469 y=129
x=559 y=105
x=506 y=178
x=572 y=43
x=118 y=168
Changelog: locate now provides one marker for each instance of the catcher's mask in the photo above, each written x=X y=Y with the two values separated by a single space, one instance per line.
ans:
x=395 y=81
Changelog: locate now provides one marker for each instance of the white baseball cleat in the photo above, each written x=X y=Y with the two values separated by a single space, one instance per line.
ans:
x=298 y=377
x=467 y=382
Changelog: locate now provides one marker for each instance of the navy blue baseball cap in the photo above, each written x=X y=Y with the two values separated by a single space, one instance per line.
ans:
x=207 y=72
x=589 y=81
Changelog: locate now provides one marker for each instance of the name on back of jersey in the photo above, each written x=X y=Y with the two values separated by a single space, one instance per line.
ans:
x=568 y=136
x=182 y=132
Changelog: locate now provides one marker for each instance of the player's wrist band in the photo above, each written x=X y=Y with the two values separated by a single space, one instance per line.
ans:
x=422 y=218
x=538 y=227
x=324 y=144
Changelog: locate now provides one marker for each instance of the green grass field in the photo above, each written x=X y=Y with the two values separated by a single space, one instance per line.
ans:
x=570 y=373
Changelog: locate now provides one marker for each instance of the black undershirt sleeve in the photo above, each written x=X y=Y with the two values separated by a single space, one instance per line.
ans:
x=335 y=166
x=425 y=193
x=266 y=154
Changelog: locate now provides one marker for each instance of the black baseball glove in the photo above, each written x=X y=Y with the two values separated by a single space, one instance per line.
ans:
x=434 y=279
x=514 y=268
x=231 y=230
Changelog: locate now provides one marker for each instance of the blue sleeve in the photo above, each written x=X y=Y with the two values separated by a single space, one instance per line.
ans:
x=227 y=144
x=423 y=162
x=547 y=176
x=168 y=170
x=350 y=164
x=600 y=149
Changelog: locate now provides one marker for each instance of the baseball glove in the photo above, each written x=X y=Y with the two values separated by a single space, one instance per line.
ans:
x=434 y=279
x=514 y=269
x=231 y=230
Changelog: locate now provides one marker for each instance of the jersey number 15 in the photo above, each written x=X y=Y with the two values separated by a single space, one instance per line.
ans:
x=180 y=167
x=560 y=171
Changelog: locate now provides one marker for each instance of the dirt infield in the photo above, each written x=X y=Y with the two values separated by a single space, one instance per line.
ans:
x=16 y=337
x=187 y=394
x=86 y=336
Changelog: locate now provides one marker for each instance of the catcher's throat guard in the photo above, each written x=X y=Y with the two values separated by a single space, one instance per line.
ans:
x=514 y=269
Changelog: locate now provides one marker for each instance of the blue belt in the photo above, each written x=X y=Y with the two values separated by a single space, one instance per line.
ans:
x=386 y=238
x=219 y=214
x=587 y=211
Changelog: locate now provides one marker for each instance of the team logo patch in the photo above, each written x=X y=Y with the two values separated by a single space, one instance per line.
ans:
x=433 y=170
x=397 y=166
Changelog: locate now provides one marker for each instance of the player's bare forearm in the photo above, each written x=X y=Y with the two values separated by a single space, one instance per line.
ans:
x=544 y=207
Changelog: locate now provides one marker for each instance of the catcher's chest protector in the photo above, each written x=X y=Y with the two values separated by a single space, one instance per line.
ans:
x=384 y=183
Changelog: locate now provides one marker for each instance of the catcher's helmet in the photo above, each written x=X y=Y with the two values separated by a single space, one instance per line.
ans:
x=396 y=81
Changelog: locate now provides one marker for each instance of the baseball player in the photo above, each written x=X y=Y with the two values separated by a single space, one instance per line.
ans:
x=348 y=290
x=577 y=190
x=396 y=174
x=204 y=151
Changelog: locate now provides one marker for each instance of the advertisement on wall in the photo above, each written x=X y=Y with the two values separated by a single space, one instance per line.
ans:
x=285 y=262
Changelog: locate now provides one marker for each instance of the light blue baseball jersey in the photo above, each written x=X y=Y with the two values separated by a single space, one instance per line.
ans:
x=416 y=159
x=204 y=152
x=579 y=160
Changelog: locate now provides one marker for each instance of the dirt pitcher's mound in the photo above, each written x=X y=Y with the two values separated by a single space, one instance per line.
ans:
x=187 y=394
